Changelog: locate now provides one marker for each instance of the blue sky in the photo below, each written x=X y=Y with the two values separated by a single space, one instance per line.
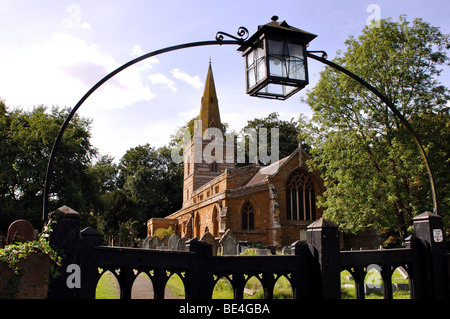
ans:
x=52 y=52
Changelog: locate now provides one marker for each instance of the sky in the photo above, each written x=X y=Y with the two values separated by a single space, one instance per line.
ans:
x=52 y=52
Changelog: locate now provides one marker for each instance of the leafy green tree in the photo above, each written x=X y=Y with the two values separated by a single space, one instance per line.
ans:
x=373 y=173
x=287 y=135
x=119 y=208
x=26 y=141
x=105 y=172
x=152 y=178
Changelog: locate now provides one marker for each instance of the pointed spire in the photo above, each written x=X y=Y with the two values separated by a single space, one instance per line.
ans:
x=209 y=111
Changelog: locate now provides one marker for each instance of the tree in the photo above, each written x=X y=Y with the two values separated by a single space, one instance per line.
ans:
x=373 y=173
x=119 y=208
x=153 y=179
x=287 y=135
x=105 y=173
x=26 y=141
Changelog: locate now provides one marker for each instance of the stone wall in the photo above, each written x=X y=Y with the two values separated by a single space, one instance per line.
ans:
x=155 y=223
x=31 y=283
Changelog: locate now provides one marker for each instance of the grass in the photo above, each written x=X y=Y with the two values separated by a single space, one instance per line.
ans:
x=223 y=289
x=107 y=287
x=253 y=289
x=175 y=287
x=375 y=279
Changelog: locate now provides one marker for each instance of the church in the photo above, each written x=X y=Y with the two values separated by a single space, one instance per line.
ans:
x=271 y=205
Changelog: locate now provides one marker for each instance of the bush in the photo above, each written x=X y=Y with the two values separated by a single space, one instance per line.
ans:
x=163 y=232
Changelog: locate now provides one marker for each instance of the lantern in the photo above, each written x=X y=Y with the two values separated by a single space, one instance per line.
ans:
x=275 y=58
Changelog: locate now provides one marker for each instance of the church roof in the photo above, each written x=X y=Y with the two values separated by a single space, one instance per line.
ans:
x=272 y=169
x=261 y=175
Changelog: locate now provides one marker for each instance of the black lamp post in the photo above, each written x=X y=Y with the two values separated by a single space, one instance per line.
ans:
x=276 y=68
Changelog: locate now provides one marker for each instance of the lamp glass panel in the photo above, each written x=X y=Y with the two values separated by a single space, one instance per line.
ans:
x=286 y=60
x=276 y=90
x=296 y=62
x=277 y=63
x=256 y=69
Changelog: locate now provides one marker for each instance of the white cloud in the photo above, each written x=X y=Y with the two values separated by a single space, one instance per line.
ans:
x=137 y=50
x=159 y=78
x=62 y=70
x=194 y=81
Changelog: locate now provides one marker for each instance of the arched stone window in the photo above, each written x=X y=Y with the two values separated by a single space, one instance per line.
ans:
x=248 y=216
x=300 y=196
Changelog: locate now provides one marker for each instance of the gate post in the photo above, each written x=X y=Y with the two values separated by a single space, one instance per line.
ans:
x=418 y=277
x=428 y=228
x=302 y=287
x=88 y=263
x=64 y=238
x=199 y=277
x=323 y=239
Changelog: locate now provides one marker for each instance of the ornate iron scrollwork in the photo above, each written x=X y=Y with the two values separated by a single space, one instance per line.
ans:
x=242 y=32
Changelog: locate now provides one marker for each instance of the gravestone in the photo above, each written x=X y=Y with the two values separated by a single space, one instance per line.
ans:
x=20 y=231
x=165 y=241
x=173 y=242
x=262 y=252
x=146 y=241
x=154 y=242
x=244 y=246
x=229 y=243
x=286 y=250
x=181 y=245
x=209 y=238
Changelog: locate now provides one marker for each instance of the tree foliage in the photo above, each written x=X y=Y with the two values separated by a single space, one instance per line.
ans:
x=288 y=132
x=373 y=172
x=26 y=141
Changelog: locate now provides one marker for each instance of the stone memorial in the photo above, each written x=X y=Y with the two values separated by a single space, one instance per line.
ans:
x=20 y=231
x=209 y=238
x=154 y=242
x=173 y=242
x=229 y=243
x=165 y=241
x=181 y=245
x=145 y=243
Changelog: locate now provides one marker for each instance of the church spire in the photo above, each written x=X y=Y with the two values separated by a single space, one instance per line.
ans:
x=209 y=111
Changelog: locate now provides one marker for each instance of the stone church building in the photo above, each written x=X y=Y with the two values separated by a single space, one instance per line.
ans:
x=269 y=204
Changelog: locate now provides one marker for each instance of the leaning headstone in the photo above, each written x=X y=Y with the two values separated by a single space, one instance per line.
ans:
x=145 y=243
x=209 y=238
x=20 y=231
x=154 y=242
x=181 y=245
x=173 y=242
x=229 y=243
x=165 y=241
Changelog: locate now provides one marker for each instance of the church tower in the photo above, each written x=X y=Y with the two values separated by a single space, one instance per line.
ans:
x=205 y=157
